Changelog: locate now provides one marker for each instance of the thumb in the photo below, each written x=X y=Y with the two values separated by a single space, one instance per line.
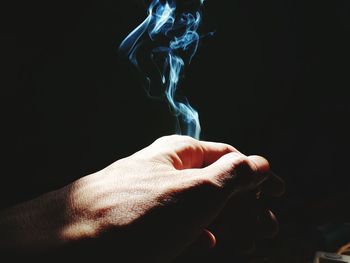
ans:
x=237 y=172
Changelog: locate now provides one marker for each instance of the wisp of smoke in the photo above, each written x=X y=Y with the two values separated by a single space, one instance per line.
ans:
x=173 y=33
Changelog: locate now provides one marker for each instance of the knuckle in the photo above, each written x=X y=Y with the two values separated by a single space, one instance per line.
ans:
x=237 y=161
x=162 y=139
x=185 y=139
x=228 y=148
x=208 y=183
x=182 y=143
x=176 y=139
x=242 y=162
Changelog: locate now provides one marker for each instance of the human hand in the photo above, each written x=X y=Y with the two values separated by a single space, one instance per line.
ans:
x=150 y=206
x=159 y=200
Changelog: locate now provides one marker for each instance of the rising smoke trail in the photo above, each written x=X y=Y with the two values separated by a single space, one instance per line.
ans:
x=174 y=37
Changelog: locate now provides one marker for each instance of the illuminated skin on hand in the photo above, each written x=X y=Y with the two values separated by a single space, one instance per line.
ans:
x=175 y=187
x=157 y=202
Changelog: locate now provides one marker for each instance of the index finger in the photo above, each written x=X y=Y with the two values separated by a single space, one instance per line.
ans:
x=213 y=151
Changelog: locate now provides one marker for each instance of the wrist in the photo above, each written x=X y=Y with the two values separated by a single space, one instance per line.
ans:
x=44 y=223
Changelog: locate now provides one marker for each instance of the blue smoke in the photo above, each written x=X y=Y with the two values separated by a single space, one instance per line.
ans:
x=175 y=40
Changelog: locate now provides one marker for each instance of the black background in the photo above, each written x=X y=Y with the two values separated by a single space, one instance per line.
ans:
x=273 y=81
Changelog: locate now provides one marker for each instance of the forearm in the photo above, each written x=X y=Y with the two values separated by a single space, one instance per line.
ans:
x=36 y=225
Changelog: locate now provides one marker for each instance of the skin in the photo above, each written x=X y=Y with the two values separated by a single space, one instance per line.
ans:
x=153 y=205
